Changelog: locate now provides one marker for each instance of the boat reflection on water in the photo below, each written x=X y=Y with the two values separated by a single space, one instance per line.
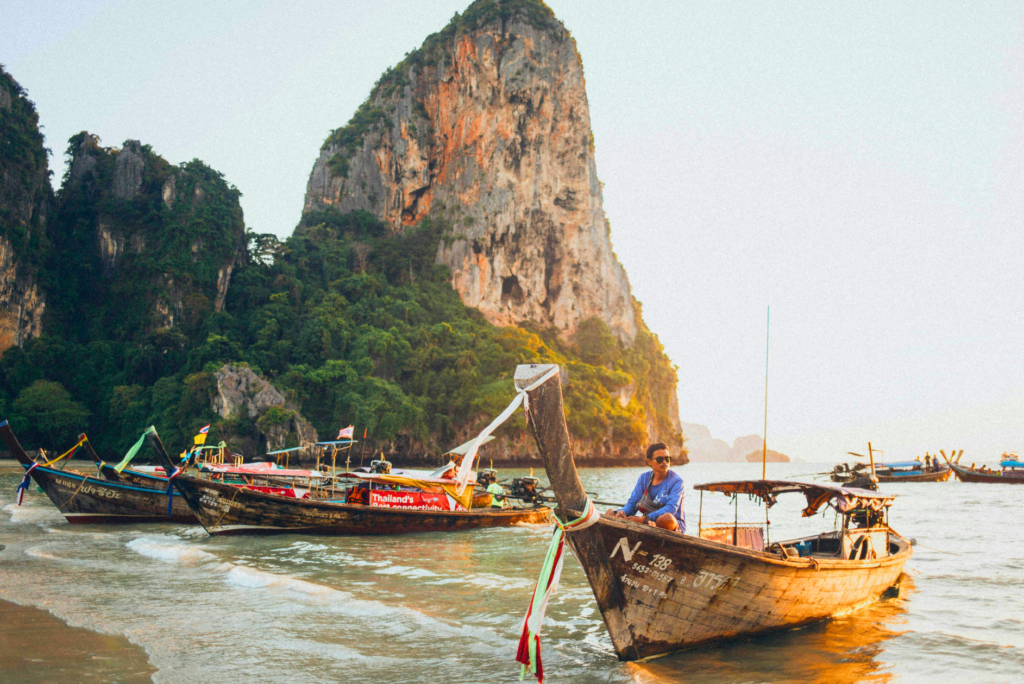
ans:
x=846 y=649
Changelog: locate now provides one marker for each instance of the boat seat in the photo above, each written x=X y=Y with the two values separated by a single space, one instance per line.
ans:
x=747 y=537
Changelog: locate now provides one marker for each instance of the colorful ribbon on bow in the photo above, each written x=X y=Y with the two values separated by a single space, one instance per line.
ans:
x=66 y=454
x=25 y=482
x=170 y=489
x=528 y=653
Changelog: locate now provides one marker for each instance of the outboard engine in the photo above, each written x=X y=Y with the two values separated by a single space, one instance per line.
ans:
x=525 y=488
x=380 y=467
x=485 y=478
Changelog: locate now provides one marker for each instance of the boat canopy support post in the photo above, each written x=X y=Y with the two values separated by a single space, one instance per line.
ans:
x=547 y=423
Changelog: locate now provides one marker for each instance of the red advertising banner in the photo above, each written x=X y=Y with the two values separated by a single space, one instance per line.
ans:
x=422 y=500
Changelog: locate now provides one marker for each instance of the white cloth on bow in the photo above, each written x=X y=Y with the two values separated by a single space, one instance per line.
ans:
x=466 y=467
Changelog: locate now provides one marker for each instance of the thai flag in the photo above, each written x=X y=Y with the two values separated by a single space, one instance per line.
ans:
x=204 y=430
x=346 y=433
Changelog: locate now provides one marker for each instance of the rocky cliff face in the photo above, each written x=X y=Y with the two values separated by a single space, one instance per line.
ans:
x=25 y=197
x=243 y=394
x=488 y=126
x=171 y=235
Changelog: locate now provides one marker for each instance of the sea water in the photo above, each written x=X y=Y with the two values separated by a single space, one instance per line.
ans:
x=449 y=607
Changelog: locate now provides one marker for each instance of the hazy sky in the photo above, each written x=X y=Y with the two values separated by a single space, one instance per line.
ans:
x=857 y=166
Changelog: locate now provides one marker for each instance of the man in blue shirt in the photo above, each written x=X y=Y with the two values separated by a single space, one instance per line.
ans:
x=657 y=498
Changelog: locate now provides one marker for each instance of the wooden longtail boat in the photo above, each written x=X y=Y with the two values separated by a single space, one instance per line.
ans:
x=1012 y=472
x=225 y=509
x=661 y=591
x=86 y=498
x=154 y=480
x=904 y=471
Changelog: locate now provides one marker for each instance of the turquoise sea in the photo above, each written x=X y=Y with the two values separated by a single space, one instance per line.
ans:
x=448 y=607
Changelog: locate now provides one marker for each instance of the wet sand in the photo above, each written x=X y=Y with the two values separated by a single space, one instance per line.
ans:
x=35 y=646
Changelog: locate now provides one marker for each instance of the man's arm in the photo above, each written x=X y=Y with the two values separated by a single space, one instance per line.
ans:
x=634 y=498
x=673 y=502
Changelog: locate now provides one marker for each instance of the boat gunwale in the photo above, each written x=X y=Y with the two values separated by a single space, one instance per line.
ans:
x=901 y=556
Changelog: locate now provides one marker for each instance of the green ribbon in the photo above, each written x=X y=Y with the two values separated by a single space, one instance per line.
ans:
x=134 y=450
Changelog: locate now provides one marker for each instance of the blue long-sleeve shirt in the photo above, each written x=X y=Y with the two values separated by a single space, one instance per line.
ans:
x=668 y=494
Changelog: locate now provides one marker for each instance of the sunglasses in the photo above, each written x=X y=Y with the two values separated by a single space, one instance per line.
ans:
x=662 y=459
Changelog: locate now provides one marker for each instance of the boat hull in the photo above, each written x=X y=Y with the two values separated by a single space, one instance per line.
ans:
x=85 y=499
x=968 y=475
x=224 y=509
x=681 y=591
x=936 y=476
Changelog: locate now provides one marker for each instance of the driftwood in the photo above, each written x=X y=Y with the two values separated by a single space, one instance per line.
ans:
x=661 y=591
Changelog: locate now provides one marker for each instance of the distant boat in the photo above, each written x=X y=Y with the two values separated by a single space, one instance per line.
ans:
x=661 y=591
x=88 y=498
x=896 y=471
x=1011 y=471
x=321 y=509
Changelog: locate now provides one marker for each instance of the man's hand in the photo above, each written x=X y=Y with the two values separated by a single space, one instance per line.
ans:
x=616 y=513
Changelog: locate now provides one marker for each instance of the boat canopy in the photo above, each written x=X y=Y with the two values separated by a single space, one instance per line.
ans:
x=845 y=498
x=260 y=469
x=1011 y=464
x=900 y=464
x=420 y=480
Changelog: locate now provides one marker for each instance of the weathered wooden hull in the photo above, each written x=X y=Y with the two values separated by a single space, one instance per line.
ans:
x=88 y=499
x=681 y=591
x=968 y=475
x=224 y=509
x=661 y=591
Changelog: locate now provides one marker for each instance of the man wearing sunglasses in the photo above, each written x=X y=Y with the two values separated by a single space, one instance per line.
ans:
x=657 y=498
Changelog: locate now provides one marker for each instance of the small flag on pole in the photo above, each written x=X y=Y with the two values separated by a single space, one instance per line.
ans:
x=346 y=433
x=364 y=434
x=200 y=439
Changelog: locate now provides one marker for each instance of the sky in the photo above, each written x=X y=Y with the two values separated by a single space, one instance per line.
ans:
x=857 y=167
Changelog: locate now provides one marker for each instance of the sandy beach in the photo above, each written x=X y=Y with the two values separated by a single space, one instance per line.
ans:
x=35 y=646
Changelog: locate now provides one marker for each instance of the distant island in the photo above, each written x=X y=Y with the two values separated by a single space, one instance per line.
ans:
x=703 y=448
x=772 y=457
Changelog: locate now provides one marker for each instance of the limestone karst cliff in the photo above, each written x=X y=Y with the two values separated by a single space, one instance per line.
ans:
x=401 y=304
x=488 y=125
x=134 y=227
x=25 y=198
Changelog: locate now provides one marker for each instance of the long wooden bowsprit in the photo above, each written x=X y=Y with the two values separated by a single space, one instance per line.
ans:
x=546 y=418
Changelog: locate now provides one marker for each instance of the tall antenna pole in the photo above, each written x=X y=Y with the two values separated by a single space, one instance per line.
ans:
x=764 y=451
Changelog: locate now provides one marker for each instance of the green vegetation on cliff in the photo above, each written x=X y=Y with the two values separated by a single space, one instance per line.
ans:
x=24 y=176
x=354 y=322
x=358 y=325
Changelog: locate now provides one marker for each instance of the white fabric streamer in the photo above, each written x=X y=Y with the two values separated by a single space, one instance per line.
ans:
x=466 y=467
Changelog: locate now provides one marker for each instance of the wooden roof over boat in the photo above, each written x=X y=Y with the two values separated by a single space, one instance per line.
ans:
x=845 y=498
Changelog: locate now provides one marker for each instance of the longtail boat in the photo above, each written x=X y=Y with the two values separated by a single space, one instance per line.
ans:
x=661 y=591
x=88 y=498
x=895 y=471
x=1011 y=471
x=321 y=509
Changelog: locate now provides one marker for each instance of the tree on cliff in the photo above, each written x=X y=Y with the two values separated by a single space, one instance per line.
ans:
x=45 y=413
